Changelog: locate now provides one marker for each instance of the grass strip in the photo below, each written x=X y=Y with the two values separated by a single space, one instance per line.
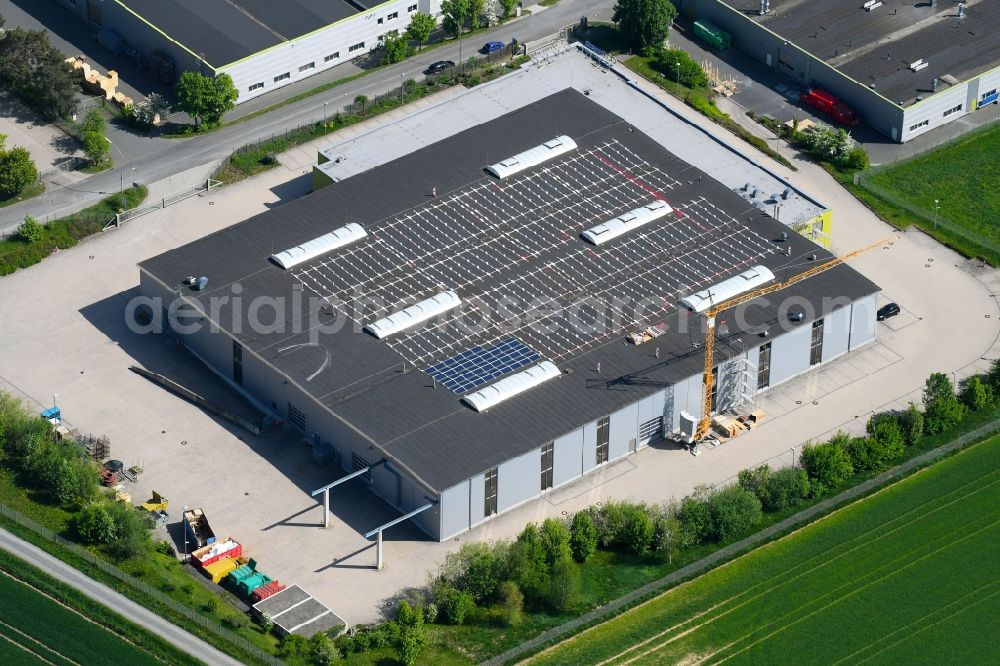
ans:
x=65 y=232
x=60 y=625
x=27 y=192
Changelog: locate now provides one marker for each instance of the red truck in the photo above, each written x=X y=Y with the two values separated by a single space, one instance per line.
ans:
x=830 y=105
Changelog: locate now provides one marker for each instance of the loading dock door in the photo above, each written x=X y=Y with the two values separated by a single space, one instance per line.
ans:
x=650 y=431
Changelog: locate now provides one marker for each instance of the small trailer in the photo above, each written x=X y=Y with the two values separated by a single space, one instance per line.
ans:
x=198 y=532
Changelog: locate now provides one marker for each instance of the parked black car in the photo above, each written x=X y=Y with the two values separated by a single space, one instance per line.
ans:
x=886 y=311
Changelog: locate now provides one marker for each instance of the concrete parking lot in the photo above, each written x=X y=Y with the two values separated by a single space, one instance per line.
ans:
x=63 y=332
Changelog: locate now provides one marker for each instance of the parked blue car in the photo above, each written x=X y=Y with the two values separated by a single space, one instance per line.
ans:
x=492 y=47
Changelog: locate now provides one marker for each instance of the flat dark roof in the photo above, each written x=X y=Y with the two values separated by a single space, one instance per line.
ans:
x=879 y=46
x=222 y=31
x=488 y=240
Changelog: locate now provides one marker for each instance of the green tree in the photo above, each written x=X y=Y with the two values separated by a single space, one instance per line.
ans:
x=912 y=423
x=453 y=605
x=395 y=48
x=696 y=519
x=511 y=604
x=17 y=170
x=976 y=394
x=734 y=512
x=475 y=13
x=528 y=565
x=476 y=568
x=95 y=525
x=754 y=480
x=131 y=531
x=30 y=230
x=638 y=533
x=205 y=98
x=555 y=541
x=420 y=28
x=610 y=520
x=828 y=463
x=890 y=437
x=507 y=7
x=96 y=146
x=94 y=122
x=36 y=72
x=827 y=143
x=454 y=14
x=293 y=645
x=408 y=616
x=564 y=585
x=866 y=453
x=993 y=377
x=942 y=410
x=411 y=643
x=645 y=24
x=583 y=536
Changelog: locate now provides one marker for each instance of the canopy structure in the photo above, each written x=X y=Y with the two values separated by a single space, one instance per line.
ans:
x=414 y=315
x=718 y=294
x=532 y=157
x=508 y=387
x=336 y=239
x=626 y=222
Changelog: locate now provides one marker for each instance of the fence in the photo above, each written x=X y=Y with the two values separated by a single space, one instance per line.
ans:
x=135 y=583
x=168 y=200
x=69 y=164
x=605 y=612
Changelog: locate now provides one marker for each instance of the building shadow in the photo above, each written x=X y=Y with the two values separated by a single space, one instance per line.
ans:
x=288 y=451
x=291 y=189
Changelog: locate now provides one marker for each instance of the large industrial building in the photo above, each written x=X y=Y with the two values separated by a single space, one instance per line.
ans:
x=905 y=67
x=494 y=314
x=261 y=44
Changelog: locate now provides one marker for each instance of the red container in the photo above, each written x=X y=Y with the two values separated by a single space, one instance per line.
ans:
x=216 y=551
x=831 y=105
x=265 y=591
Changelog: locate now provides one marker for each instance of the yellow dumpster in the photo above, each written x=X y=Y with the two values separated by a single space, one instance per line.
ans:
x=220 y=569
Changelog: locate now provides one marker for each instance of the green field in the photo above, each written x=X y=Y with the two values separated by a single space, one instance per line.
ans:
x=32 y=623
x=962 y=176
x=907 y=575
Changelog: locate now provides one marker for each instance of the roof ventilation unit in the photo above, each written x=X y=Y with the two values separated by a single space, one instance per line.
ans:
x=532 y=157
x=872 y=4
x=727 y=289
x=508 y=387
x=334 y=240
x=918 y=65
x=200 y=283
x=626 y=222
x=414 y=315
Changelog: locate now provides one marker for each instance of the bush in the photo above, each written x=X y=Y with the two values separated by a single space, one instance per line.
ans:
x=30 y=230
x=528 y=565
x=431 y=612
x=511 y=604
x=976 y=394
x=690 y=73
x=95 y=525
x=411 y=644
x=734 y=512
x=942 y=410
x=453 y=605
x=866 y=454
x=754 y=480
x=638 y=532
x=476 y=568
x=321 y=650
x=784 y=488
x=857 y=159
x=583 y=536
x=912 y=423
x=407 y=616
x=235 y=621
x=211 y=605
x=828 y=462
x=696 y=519
x=610 y=520
x=293 y=645
x=889 y=435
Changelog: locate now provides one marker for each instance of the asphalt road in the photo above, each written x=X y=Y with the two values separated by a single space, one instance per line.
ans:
x=116 y=602
x=160 y=158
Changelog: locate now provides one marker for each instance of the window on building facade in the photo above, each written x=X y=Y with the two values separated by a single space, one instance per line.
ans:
x=547 y=458
x=923 y=123
x=816 y=345
x=411 y=8
x=296 y=417
x=952 y=110
x=307 y=66
x=237 y=362
x=256 y=86
x=394 y=15
x=764 y=366
x=332 y=56
x=356 y=47
x=380 y=19
x=282 y=77
x=603 y=438
x=490 y=506
x=988 y=93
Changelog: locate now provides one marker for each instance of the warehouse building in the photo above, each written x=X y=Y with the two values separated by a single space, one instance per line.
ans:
x=261 y=44
x=905 y=67
x=468 y=334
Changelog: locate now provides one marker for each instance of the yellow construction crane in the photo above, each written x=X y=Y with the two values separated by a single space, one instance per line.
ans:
x=713 y=311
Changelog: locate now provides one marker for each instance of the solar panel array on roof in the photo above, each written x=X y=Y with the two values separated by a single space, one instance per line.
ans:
x=477 y=366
